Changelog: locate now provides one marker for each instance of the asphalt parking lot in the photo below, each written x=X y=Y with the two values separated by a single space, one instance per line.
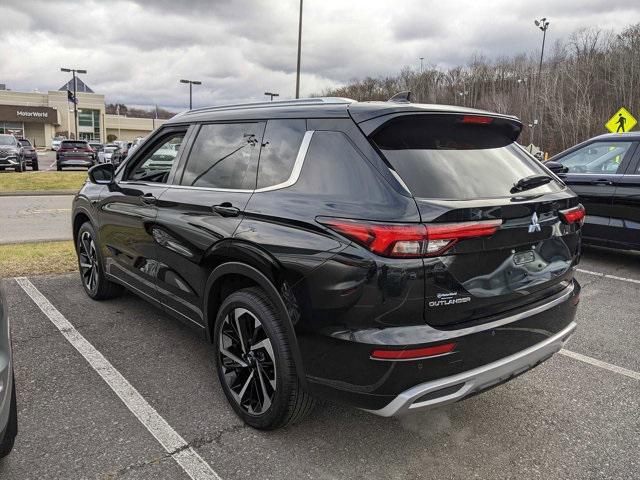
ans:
x=572 y=417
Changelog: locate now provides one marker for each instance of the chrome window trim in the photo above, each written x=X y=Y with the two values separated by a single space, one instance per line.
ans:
x=297 y=166
x=293 y=178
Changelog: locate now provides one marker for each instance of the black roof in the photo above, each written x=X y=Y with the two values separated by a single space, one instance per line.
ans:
x=81 y=86
x=326 y=107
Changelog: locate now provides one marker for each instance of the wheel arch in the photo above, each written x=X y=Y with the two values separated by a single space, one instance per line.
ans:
x=244 y=275
x=80 y=216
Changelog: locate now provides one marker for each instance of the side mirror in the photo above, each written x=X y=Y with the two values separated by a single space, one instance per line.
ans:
x=102 y=174
x=556 y=167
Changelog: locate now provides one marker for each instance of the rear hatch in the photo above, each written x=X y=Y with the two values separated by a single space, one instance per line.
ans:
x=502 y=231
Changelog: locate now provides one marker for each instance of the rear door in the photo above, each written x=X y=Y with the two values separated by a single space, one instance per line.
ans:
x=625 y=213
x=201 y=210
x=495 y=246
x=595 y=170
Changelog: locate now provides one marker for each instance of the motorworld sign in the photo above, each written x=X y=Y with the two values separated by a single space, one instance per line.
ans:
x=19 y=113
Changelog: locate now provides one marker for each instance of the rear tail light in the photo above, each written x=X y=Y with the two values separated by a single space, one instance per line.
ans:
x=573 y=215
x=410 y=240
x=413 y=353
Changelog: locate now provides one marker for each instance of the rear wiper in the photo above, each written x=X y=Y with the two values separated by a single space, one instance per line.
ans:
x=530 y=182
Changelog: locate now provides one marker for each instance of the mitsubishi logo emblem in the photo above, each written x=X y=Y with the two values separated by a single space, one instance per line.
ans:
x=535 y=226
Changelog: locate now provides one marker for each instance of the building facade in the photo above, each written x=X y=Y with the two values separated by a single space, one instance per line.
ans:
x=40 y=117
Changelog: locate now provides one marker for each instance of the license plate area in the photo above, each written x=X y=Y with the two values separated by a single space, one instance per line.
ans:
x=521 y=258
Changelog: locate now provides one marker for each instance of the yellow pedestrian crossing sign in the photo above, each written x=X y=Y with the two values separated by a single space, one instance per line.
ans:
x=622 y=121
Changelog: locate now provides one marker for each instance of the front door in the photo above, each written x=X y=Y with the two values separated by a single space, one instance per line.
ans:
x=199 y=213
x=594 y=170
x=128 y=211
x=625 y=216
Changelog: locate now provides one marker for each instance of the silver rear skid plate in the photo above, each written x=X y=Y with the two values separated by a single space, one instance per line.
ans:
x=456 y=387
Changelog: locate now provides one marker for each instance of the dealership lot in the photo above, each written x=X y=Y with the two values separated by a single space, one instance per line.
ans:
x=565 y=419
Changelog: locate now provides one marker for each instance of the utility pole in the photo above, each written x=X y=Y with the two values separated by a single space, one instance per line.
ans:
x=299 y=51
x=75 y=96
x=191 y=84
x=542 y=24
x=270 y=94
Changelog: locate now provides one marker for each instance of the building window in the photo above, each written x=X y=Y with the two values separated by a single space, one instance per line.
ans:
x=89 y=124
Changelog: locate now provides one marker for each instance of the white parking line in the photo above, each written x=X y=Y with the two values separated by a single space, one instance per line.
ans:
x=601 y=364
x=171 y=441
x=606 y=275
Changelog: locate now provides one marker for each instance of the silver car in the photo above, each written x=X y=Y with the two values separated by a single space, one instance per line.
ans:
x=8 y=410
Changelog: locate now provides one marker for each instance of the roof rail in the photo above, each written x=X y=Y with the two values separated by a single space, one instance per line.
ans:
x=277 y=103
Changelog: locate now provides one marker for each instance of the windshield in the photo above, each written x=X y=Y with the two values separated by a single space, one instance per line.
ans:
x=25 y=143
x=7 y=140
x=440 y=156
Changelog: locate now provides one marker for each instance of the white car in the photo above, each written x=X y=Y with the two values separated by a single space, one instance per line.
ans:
x=55 y=143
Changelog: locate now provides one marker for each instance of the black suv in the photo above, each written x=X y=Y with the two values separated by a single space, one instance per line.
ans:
x=388 y=255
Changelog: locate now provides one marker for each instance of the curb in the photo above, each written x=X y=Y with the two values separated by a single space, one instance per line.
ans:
x=37 y=193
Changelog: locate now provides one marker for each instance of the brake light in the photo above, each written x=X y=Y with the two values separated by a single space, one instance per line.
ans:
x=479 y=119
x=413 y=353
x=573 y=215
x=410 y=240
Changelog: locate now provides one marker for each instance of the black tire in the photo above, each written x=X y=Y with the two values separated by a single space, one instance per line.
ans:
x=9 y=436
x=59 y=168
x=247 y=387
x=34 y=165
x=95 y=283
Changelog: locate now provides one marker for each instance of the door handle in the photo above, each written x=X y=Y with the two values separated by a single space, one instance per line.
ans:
x=226 y=209
x=602 y=181
x=149 y=199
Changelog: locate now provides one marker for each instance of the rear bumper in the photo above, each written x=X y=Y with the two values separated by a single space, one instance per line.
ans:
x=75 y=162
x=456 y=387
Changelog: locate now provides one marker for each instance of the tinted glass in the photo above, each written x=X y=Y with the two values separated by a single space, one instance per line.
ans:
x=7 y=140
x=442 y=156
x=73 y=144
x=155 y=165
x=25 y=143
x=224 y=156
x=599 y=157
x=282 y=139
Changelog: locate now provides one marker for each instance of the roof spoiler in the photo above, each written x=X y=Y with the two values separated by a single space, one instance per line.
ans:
x=402 y=97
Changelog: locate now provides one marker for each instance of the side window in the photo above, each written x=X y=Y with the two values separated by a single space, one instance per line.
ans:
x=156 y=164
x=224 y=156
x=599 y=157
x=282 y=140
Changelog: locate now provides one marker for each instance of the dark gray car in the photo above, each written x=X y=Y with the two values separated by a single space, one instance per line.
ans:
x=8 y=410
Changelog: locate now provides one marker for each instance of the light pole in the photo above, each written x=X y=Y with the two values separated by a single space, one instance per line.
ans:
x=270 y=94
x=75 y=98
x=299 y=52
x=191 y=84
x=421 y=59
x=542 y=24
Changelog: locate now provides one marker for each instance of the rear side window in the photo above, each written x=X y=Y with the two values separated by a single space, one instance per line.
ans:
x=282 y=140
x=224 y=156
x=456 y=157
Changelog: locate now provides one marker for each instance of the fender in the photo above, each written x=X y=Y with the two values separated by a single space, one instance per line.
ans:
x=254 y=274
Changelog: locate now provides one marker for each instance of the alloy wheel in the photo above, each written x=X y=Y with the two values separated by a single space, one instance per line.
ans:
x=88 y=261
x=247 y=361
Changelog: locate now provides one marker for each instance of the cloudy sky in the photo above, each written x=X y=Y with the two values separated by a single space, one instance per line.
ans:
x=136 y=51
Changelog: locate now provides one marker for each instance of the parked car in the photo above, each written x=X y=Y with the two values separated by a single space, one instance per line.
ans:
x=75 y=153
x=135 y=144
x=30 y=154
x=55 y=143
x=388 y=255
x=97 y=147
x=605 y=173
x=111 y=154
x=11 y=153
x=8 y=410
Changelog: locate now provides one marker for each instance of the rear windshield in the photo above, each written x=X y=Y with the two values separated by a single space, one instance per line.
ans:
x=72 y=144
x=454 y=157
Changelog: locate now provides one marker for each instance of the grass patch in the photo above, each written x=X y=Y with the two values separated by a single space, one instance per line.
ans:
x=37 y=258
x=41 y=181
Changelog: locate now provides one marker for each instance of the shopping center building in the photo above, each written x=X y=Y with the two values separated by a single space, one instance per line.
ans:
x=42 y=116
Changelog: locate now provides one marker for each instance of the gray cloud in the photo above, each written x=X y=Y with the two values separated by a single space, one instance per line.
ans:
x=136 y=51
